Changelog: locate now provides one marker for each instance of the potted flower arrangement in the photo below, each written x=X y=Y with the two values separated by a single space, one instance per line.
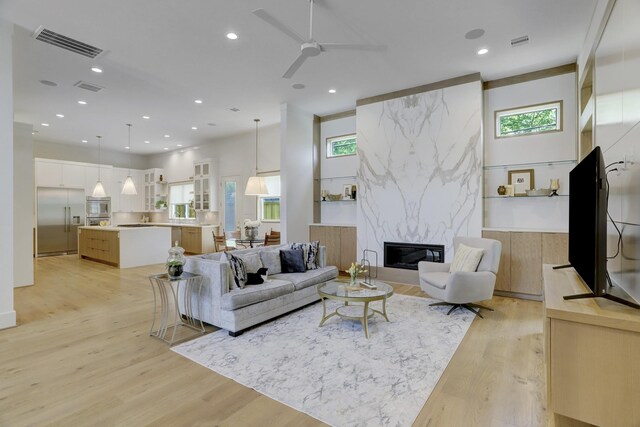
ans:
x=251 y=229
x=353 y=271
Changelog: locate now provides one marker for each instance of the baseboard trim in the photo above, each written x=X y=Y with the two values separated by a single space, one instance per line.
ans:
x=8 y=319
x=518 y=295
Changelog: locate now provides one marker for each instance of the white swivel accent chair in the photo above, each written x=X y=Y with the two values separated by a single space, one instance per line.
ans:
x=462 y=289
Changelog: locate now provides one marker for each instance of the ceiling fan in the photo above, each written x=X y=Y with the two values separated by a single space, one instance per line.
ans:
x=309 y=47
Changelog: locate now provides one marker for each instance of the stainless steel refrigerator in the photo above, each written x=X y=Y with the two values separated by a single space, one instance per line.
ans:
x=60 y=212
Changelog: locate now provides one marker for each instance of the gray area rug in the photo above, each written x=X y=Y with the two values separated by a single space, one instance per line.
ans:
x=334 y=373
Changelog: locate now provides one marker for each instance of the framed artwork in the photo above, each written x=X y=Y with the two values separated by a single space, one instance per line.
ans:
x=522 y=180
x=346 y=192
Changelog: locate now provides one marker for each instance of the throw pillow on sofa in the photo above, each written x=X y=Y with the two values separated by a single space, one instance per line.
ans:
x=271 y=260
x=252 y=262
x=238 y=270
x=292 y=261
x=310 y=253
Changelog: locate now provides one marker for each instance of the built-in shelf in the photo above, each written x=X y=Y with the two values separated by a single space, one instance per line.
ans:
x=337 y=177
x=525 y=197
x=335 y=201
x=519 y=165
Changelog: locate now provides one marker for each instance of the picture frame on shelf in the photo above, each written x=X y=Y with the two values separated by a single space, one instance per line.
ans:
x=522 y=181
x=346 y=192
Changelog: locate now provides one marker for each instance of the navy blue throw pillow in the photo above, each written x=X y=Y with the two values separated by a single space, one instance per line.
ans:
x=292 y=260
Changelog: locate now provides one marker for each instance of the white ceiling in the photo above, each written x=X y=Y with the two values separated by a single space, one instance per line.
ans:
x=163 y=54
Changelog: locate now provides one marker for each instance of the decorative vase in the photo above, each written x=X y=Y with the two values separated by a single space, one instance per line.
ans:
x=502 y=190
x=251 y=233
x=174 y=270
x=352 y=281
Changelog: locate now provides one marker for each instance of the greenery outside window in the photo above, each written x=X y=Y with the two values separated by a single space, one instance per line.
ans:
x=269 y=206
x=181 y=201
x=339 y=146
x=529 y=120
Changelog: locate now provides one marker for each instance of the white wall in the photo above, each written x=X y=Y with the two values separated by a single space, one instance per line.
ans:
x=23 y=205
x=233 y=156
x=7 y=313
x=296 y=171
x=88 y=154
x=337 y=172
x=550 y=155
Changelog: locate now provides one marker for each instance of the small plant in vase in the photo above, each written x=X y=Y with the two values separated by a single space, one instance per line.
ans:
x=353 y=271
x=176 y=261
x=174 y=268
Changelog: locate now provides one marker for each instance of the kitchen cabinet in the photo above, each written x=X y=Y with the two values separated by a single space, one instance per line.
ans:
x=100 y=245
x=340 y=242
x=197 y=240
x=205 y=188
x=522 y=256
x=154 y=189
x=59 y=174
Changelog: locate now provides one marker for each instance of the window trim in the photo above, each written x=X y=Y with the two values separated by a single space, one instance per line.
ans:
x=328 y=143
x=525 y=108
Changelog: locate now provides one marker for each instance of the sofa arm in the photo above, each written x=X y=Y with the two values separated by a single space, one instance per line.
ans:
x=322 y=256
x=433 y=267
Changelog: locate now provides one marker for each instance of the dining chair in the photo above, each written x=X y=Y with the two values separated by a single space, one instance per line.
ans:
x=270 y=240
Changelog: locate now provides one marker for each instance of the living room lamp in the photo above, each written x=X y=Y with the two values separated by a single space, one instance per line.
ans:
x=129 y=187
x=98 y=190
x=256 y=185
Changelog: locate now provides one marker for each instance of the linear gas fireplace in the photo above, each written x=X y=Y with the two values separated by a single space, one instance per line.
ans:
x=407 y=255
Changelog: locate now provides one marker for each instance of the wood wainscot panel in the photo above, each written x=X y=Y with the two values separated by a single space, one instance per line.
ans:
x=526 y=263
x=503 y=278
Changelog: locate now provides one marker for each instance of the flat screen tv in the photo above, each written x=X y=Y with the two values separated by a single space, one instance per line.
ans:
x=588 y=221
x=588 y=229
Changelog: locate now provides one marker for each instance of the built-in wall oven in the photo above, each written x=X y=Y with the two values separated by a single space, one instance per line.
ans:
x=98 y=209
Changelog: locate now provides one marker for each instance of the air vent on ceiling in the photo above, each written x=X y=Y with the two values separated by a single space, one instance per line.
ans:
x=519 y=41
x=88 y=86
x=66 y=43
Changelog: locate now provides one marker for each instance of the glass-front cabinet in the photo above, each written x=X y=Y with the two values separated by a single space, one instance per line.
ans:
x=204 y=187
x=155 y=190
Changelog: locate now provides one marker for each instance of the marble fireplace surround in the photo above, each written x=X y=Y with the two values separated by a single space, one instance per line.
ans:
x=419 y=174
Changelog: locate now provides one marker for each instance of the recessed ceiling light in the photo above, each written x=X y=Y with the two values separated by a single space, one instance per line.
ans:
x=127 y=148
x=332 y=91
x=179 y=145
x=182 y=151
x=195 y=148
x=44 y=124
x=198 y=101
x=234 y=109
x=474 y=34
x=82 y=102
x=146 y=117
x=483 y=51
x=194 y=128
x=60 y=115
x=147 y=142
x=84 y=141
x=96 y=70
x=167 y=136
x=298 y=86
x=48 y=83
x=232 y=36
x=34 y=132
x=165 y=148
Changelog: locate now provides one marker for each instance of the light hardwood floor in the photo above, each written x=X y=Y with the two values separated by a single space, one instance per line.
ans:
x=81 y=355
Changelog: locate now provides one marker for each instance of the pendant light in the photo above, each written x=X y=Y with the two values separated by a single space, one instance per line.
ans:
x=129 y=187
x=256 y=185
x=98 y=190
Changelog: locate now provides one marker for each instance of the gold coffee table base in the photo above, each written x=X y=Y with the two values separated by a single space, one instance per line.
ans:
x=362 y=312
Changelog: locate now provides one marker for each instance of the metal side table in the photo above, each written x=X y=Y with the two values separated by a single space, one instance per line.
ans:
x=167 y=293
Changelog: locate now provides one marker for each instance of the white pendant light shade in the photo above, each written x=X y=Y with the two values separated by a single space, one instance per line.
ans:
x=256 y=186
x=129 y=187
x=98 y=190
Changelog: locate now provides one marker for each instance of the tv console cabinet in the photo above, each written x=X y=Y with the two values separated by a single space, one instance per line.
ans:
x=592 y=356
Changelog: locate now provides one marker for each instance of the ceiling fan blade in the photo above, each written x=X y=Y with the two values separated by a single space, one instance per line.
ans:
x=350 y=46
x=294 y=67
x=265 y=16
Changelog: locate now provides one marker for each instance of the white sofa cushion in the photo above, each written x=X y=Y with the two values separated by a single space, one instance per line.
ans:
x=271 y=259
x=309 y=277
x=238 y=298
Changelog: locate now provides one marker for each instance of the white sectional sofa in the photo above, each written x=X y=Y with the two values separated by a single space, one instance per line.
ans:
x=238 y=309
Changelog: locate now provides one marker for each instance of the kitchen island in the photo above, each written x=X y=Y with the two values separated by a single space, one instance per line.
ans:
x=124 y=247
x=194 y=238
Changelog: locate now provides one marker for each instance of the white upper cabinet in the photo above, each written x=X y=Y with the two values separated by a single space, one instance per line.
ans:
x=205 y=189
x=59 y=174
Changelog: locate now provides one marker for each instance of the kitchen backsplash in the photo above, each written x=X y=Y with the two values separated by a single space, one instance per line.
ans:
x=135 y=217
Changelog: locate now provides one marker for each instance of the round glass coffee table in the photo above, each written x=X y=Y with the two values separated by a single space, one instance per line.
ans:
x=341 y=291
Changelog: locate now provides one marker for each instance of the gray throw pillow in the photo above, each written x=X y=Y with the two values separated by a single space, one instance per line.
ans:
x=238 y=269
x=271 y=260
x=292 y=260
x=251 y=261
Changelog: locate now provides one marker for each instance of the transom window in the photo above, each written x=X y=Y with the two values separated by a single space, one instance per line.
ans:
x=339 y=146
x=529 y=120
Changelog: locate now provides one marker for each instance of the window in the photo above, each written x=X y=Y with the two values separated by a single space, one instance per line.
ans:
x=181 y=201
x=269 y=206
x=529 y=120
x=339 y=146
